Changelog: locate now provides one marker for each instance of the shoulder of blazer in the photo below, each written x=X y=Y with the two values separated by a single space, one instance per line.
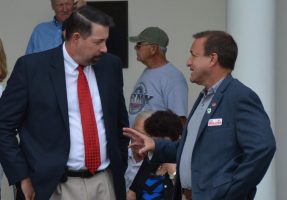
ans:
x=52 y=56
x=57 y=57
x=109 y=63
x=234 y=89
x=55 y=53
x=225 y=83
x=109 y=59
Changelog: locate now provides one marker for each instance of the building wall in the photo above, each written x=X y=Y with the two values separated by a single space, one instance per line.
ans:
x=281 y=99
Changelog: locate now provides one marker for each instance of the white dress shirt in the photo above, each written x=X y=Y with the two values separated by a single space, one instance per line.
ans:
x=76 y=159
x=1 y=90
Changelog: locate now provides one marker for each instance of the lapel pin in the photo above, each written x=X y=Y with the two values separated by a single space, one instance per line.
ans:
x=208 y=110
x=213 y=104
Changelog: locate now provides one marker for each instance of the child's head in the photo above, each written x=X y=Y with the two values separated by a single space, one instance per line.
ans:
x=163 y=124
x=140 y=119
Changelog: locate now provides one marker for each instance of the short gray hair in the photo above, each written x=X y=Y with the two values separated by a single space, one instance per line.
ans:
x=163 y=50
x=143 y=115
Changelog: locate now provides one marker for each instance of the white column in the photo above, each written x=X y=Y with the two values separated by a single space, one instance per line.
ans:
x=251 y=22
x=281 y=99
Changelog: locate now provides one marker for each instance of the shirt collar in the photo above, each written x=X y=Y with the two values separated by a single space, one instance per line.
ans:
x=56 y=22
x=130 y=153
x=213 y=89
x=68 y=59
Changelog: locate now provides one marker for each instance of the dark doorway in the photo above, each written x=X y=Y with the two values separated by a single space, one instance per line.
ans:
x=118 y=40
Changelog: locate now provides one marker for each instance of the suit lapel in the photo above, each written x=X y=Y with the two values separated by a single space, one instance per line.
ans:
x=57 y=75
x=103 y=92
x=213 y=105
x=102 y=86
x=209 y=113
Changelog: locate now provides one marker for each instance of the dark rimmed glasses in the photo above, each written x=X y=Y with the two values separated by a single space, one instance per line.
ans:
x=139 y=45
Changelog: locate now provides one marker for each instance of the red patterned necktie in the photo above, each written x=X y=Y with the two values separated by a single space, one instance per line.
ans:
x=90 y=131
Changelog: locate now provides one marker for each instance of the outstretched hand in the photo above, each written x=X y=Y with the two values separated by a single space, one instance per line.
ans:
x=139 y=141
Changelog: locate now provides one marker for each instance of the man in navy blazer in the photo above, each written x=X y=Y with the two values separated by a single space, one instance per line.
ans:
x=40 y=105
x=227 y=144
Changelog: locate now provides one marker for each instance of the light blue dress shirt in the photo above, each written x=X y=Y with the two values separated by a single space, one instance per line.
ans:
x=46 y=35
x=185 y=172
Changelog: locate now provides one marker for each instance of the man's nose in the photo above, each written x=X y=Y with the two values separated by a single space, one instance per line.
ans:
x=104 y=48
x=188 y=62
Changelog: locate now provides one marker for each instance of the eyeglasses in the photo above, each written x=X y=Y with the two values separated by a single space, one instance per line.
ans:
x=139 y=45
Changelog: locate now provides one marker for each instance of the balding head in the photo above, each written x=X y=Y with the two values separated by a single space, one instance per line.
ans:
x=62 y=8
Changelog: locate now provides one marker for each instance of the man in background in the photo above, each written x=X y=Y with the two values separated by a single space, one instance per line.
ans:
x=161 y=86
x=48 y=35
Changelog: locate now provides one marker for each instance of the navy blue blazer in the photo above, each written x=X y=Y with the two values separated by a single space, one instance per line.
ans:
x=228 y=160
x=34 y=106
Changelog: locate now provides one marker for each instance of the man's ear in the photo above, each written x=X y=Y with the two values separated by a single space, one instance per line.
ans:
x=76 y=36
x=213 y=58
x=154 y=49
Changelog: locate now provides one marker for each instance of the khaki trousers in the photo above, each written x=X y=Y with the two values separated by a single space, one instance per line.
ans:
x=98 y=187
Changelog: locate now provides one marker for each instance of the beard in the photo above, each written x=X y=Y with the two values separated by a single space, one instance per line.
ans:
x=95 y=59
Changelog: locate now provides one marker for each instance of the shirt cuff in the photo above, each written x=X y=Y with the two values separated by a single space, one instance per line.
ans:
x=150 y=155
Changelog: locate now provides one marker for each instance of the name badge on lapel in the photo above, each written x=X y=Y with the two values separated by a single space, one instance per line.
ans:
x=215 y=122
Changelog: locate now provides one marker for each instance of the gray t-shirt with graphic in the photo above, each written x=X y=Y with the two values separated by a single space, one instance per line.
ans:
x=159 y=88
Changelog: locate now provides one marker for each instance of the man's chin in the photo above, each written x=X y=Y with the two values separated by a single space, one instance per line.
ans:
x=63 y=18
x=191 y=79
x=96 y=59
